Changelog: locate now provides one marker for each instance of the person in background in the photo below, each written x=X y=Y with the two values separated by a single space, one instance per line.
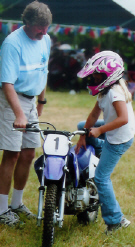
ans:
x=105 y=70
x=24 y=68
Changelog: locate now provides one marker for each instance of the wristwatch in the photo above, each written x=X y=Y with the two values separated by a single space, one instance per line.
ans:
x=42 y=101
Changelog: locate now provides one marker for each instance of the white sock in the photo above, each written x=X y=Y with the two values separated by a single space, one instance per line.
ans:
x=3 y=203
x=16 y=198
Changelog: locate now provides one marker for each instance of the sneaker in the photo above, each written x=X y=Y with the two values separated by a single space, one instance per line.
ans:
x=110 y=228
x=124 y=223
x=9 y=218
x=22 y=209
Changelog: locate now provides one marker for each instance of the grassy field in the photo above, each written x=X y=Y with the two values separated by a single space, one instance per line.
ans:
x=65 y=111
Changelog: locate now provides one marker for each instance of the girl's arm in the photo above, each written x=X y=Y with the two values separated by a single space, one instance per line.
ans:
x=120 y=120
x=91 y=120
x=93 y=116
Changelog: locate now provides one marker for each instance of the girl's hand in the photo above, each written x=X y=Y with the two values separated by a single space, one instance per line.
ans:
x=95 y=132
x=80 y=143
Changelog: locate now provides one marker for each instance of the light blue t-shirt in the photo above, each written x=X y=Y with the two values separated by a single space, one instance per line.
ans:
x=24 y=62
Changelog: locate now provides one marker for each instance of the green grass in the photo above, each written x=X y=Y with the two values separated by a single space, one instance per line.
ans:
x=65 y=111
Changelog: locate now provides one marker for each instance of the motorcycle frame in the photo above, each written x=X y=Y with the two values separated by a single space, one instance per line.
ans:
x=32 y=128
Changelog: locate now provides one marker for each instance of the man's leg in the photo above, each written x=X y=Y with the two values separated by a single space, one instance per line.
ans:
x=21 y=175
x=22 y=168
x=6 y=172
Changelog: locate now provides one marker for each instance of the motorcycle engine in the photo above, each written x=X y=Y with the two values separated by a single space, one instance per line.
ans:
x=79 y=198
x=82 y=199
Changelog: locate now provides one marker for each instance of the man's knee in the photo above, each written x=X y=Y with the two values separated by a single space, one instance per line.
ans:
x=28 y=154
x=9 y=157
x=31 y=154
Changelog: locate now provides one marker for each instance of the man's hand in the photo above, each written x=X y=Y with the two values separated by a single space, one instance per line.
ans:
x=13 y=100
x=20 y=122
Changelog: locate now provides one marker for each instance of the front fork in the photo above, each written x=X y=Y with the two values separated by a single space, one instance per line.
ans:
x=60 y=216
x=42 y=189
x=60 y=219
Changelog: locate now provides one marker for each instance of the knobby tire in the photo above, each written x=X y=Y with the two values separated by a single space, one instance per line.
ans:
x=48 y=224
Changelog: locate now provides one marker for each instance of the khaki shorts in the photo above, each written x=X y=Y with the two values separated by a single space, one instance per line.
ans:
x=16 y=140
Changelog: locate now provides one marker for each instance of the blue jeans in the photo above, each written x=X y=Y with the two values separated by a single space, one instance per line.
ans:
x=110 y=156
x=97 y=143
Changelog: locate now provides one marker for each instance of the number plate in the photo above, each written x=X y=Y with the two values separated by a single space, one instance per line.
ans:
x=55 y=144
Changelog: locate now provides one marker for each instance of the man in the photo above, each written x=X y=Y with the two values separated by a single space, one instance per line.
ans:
x=24 y=67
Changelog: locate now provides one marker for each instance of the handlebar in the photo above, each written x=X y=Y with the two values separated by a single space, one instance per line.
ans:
x=32 y=127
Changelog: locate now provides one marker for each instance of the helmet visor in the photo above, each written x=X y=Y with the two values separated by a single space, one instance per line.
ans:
x=96 y=79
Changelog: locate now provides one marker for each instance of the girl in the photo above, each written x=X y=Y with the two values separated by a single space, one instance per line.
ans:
x=105 y=70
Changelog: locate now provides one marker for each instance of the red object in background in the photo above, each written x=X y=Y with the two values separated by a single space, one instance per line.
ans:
x=14 y=27
x=96 y=49
x=131 y=76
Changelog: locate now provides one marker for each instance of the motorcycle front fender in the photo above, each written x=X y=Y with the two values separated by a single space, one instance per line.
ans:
x=54 y=168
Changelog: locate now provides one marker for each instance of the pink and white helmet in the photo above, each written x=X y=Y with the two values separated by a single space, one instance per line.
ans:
x=106 y=62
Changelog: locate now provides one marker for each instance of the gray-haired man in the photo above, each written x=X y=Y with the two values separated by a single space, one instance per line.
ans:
x=24 y=67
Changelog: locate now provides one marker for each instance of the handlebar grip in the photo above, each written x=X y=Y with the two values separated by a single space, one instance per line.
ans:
x=28 y=125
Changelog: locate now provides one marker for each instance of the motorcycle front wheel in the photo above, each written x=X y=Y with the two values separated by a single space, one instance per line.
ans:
x=48 y=221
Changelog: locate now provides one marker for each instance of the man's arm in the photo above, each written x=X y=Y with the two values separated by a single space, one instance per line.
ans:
x=40 y=106
x=12 y=98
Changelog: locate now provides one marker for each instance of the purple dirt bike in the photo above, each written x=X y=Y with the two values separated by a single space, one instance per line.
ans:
x=66 y=180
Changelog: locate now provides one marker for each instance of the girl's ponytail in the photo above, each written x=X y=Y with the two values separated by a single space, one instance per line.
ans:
x=123 y=85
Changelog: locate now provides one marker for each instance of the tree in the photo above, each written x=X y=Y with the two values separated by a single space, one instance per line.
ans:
x=119 y=43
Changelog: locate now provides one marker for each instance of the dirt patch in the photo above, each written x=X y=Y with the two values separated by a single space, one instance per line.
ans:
x=64 y=118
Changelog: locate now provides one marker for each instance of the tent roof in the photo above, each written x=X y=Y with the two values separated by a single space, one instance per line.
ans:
x=102 y=13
